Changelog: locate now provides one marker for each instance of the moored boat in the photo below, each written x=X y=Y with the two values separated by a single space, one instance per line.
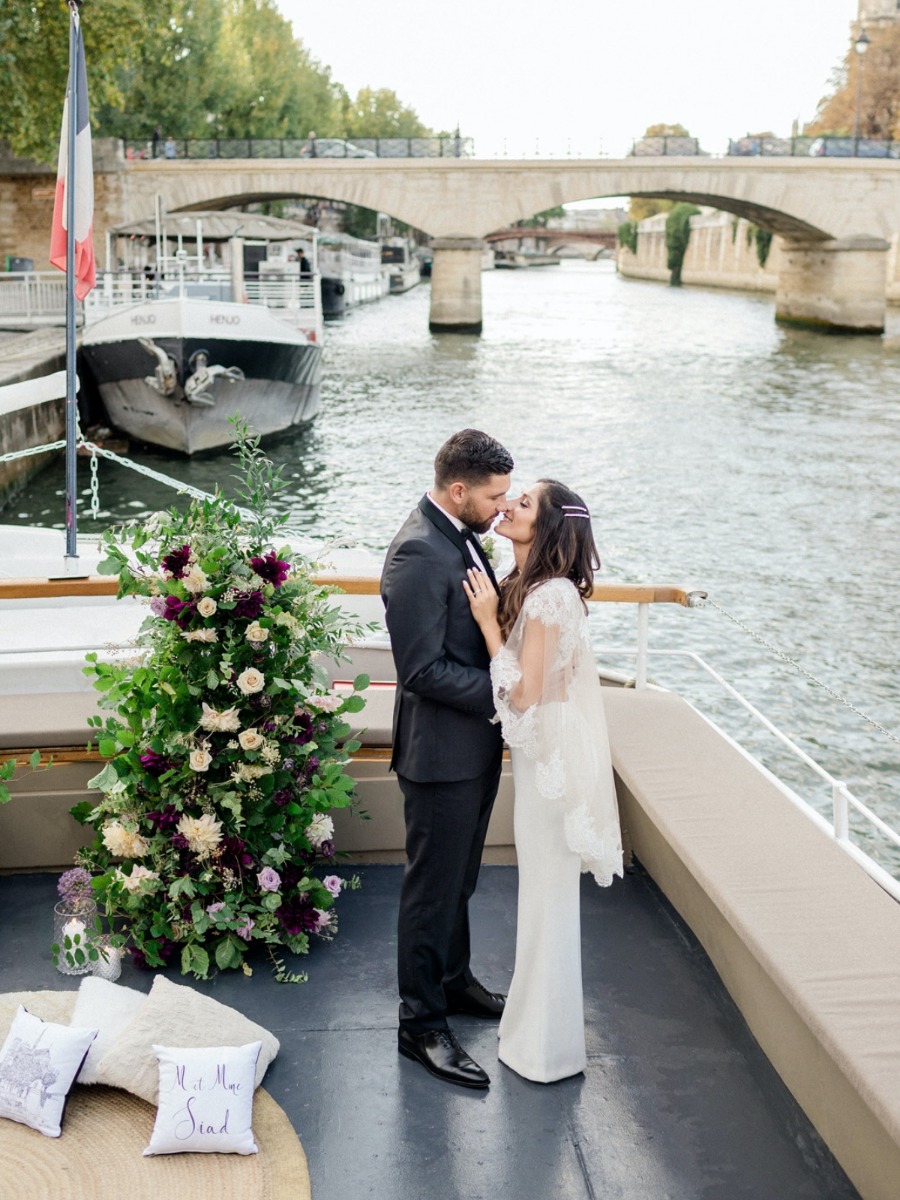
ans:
x=401 y=263
x=350 y=270
x=511 y=260
x=177 y=344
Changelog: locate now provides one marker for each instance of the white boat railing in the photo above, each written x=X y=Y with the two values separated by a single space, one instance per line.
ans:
x=842 y=799
x=32 y=297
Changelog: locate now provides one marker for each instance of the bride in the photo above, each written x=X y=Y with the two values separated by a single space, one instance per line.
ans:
x=549 y=701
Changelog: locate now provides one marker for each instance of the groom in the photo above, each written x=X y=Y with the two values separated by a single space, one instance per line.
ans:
x=447 y=754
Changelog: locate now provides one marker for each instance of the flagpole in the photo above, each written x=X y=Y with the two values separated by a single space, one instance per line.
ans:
x=71 y=558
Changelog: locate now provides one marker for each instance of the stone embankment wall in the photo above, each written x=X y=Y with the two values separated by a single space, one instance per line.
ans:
x=722 y=253
x=29 y=357
x=27 y=190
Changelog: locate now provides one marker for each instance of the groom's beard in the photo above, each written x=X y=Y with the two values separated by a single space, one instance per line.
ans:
x=469 y=517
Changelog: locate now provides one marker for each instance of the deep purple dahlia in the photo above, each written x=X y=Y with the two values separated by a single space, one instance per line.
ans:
x=176 y=562
x=271 y=568
x=155 y=764
x=165 y=817
x=248 y=605
x=297 y=916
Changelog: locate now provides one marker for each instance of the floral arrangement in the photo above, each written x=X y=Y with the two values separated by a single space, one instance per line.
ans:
x=226 y=749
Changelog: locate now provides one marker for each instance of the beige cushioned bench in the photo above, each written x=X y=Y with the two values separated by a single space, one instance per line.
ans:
x=806 y=943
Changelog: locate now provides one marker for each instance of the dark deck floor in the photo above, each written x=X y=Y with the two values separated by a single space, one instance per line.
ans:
x=678 y=1101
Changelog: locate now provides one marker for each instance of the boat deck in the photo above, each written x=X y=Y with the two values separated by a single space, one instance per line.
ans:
x=678 y=1101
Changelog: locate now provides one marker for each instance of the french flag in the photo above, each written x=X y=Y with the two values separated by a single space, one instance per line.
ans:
x=85 y=271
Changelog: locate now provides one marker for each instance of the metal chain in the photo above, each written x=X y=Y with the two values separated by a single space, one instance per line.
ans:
x=95 y=487
x=803 y=671
x=14 y=454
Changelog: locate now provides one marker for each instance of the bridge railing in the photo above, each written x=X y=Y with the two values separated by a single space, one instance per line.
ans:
x=816 y=147
x=392 y=147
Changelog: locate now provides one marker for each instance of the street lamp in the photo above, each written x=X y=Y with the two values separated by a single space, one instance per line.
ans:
x=861 y=45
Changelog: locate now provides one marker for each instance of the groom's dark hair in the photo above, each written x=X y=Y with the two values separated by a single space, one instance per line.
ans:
x=470 y=457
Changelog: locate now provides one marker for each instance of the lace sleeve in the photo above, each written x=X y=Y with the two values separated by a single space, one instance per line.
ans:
x=548 y=699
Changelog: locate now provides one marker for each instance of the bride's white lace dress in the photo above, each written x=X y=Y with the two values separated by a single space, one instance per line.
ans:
x=549 y=701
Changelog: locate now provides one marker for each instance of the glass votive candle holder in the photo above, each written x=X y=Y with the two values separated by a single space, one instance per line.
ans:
x=73 y=927
x=108 y=965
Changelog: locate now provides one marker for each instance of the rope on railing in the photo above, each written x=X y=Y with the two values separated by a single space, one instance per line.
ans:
x=786 y=658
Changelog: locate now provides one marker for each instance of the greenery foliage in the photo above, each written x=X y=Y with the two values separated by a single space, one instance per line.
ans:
x=628 y=235
x=641 y=207
x=763 y=245
x=875 y=79
x=193 y=68
x=226 y=749
x=678 y=233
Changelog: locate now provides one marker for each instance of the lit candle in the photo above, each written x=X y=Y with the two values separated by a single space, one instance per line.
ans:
x=110 y=966
x=74 y=929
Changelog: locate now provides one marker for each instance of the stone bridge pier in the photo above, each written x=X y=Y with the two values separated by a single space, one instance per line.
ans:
x=838 y=284
x=456 y=285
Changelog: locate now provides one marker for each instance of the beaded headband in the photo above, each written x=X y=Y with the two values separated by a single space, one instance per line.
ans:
x=575 y=510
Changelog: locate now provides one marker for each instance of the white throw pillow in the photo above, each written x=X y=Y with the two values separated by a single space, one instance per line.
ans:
x=38 y=1064
x=175 y=1015
x=205 y=1100
x=110 y=1007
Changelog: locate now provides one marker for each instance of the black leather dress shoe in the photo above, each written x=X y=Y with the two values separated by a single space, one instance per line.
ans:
x=440 y=1053
x=477 y=1001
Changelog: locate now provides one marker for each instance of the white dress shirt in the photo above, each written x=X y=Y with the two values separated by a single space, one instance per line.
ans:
x=461 y=526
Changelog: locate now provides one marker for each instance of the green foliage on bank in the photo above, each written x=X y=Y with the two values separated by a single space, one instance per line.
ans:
x=627 y=234
x=763 y=245
x=192 y=68
x=678 y=234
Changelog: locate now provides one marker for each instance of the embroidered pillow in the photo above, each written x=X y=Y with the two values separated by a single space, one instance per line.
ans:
x=175 y=1015
x=38 y=1064
x=108 y=1006
x=205 y=1100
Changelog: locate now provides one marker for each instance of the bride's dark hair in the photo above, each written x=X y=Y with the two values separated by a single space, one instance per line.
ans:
x=563 y=548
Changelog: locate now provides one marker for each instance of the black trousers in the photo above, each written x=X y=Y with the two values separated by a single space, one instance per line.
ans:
x=446 y=825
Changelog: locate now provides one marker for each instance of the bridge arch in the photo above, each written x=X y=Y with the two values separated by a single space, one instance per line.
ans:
x=808 y=199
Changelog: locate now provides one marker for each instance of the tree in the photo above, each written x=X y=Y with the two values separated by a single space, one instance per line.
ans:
x=381 y=114
x=641 y=207
x=184 y=47
x=678 y=234
x=879 y=93
x=34 y=63
x=663 y=130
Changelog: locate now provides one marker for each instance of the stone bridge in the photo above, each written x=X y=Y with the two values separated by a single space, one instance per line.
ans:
x=589 y=241
x=835 y=215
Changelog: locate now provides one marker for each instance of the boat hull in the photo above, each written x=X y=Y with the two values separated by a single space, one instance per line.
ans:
x=274 y=381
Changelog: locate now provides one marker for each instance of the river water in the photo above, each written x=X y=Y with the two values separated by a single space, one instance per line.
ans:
x=715 y=449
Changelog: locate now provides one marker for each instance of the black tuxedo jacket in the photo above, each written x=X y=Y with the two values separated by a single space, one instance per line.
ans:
x=444 y=701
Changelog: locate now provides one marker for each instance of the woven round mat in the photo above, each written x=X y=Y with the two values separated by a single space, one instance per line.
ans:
x=104 y=1131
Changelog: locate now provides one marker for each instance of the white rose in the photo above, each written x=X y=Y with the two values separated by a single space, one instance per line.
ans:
x=256 y=633
x=207 y=606
x=251 y=681
x=325 y=703
x=199 y=760
x=251 y=739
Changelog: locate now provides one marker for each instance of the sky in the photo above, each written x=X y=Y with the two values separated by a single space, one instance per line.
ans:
x=585 y=76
